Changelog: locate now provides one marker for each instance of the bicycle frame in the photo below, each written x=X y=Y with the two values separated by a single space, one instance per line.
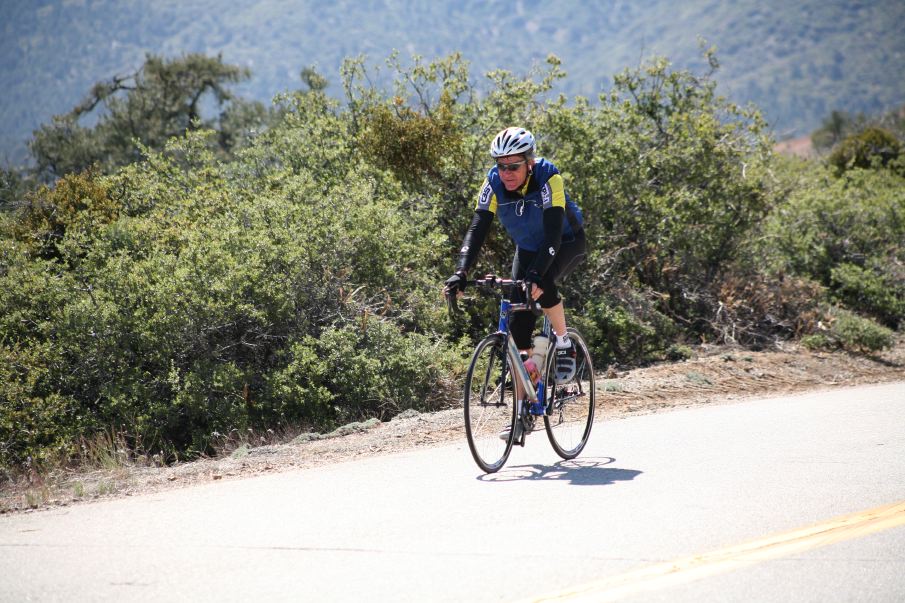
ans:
x=491 y=380
x=534 y=393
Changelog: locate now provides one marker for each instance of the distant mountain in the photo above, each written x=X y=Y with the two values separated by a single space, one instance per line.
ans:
x=796 y=60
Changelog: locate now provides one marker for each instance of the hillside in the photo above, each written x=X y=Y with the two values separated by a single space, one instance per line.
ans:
x=797 y=61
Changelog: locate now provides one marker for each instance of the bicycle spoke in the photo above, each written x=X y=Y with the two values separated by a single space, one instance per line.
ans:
x=489 y=405
x=572 y=405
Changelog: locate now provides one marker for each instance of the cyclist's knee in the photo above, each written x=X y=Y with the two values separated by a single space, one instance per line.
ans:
x=550 y=298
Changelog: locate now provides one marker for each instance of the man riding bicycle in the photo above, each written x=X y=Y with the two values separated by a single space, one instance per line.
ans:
x=528 y=196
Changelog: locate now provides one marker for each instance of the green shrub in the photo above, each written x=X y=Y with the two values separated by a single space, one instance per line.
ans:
x=38 y=425
x=670 y=178
x=848 y=331
x=870 y=291
x=817 y=341
x=199 y=307
x=846 y=234
x=376 y=370
x=411 y=144
x=677 y=353
x=858 y=334
x=873 y=147
x=76 y=207
x=824 y=223
x=615 y=334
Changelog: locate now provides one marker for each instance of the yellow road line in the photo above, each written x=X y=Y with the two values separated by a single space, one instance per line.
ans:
x=681 y=571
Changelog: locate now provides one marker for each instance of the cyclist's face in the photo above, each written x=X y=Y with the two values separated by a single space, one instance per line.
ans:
x=513 y=179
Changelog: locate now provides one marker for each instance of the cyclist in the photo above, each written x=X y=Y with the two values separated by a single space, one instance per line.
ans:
x=527 y=194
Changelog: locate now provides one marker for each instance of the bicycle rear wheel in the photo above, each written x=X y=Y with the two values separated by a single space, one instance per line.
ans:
x=489 y=404
x=571 y=404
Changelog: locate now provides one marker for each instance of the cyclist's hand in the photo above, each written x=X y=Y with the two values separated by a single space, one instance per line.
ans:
x=534 y=288
x=455 y=285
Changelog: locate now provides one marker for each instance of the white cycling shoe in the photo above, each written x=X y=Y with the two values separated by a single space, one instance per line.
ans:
x=564 y=367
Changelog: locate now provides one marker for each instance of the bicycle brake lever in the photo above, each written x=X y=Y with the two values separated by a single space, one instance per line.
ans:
x=532 y=304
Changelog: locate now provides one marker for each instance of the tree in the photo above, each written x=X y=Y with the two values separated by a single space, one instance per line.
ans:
x=13 y=185
x=164 y=98
x=834 y=128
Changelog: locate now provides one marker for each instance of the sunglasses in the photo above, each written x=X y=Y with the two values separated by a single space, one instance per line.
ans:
x=510 y=167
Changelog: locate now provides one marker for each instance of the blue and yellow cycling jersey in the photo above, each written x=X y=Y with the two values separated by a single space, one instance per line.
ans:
x=521 y=211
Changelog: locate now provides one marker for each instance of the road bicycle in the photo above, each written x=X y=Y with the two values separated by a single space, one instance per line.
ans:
x=496 y=418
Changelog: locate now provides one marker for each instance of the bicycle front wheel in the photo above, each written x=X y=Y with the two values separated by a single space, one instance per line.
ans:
x=489 y=404
x=571 y=404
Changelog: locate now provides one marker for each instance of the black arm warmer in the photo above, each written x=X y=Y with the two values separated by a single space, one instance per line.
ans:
x=474 y=239
x=552 y=240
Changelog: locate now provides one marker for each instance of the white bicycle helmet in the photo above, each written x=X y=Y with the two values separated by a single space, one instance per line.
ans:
x=512 y=141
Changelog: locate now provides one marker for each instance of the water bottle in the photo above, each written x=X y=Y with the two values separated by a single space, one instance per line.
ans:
x=539 y=355
x=533 y=370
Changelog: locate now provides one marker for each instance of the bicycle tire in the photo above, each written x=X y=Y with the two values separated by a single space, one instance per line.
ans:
x=488 y=386
x=570 y=405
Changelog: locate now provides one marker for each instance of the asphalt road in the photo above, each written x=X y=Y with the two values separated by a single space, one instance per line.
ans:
x=658 y=508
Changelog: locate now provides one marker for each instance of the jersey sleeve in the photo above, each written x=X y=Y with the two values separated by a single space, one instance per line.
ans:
x=554 y=192
x=474 y=239
x=486 y=198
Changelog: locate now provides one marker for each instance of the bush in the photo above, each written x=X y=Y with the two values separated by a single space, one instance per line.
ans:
x=677 y=353
x=848 y=331
x=37 y=424
x=871 y=291
x=858 y=334
x=846 y=234
x=817 y=341
x=191 y=306
x=873 y=147
x=367 y=369
x=627 y=331
x=378 y=371
x=76 y=207
x=411 y=144
x=669 y=176
x=756 y=308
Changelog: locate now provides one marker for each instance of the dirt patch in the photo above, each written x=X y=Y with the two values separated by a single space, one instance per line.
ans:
x=796 y=147
x=715 y=375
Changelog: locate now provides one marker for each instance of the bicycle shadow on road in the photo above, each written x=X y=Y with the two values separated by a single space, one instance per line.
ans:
x=579 y=472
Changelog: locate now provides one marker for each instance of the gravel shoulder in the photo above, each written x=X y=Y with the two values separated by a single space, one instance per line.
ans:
x=716 y=375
